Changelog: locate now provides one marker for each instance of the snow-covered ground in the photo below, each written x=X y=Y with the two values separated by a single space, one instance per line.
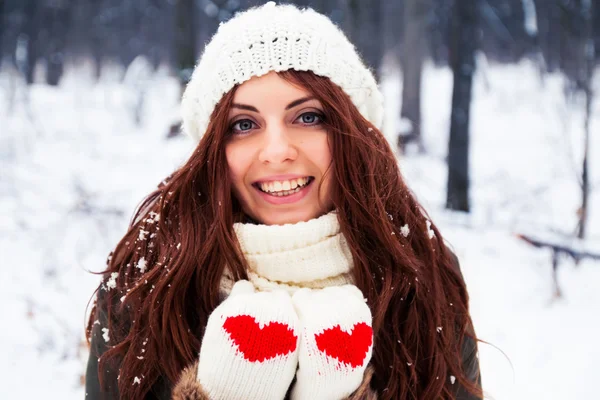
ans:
x=74 y=164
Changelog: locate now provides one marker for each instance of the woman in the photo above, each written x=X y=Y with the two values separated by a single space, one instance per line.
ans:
x=286 y=258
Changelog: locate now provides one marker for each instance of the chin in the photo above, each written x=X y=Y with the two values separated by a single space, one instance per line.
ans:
x=290 y=217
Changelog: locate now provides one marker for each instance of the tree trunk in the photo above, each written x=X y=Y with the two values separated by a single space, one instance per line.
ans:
x=391 y=31
x=28 y=41
x=462 y=57
x=414 y=51
x=185 y=39
x=549 y=32
x=2 y=28
x=346 y=20
x=58 y=17
x=366 y=32
x=588 y=68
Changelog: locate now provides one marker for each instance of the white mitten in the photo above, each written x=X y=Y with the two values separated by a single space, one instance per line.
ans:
x=336 y=343
x=250 y=346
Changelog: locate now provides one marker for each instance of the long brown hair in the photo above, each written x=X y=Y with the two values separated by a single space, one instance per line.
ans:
x=169 y=264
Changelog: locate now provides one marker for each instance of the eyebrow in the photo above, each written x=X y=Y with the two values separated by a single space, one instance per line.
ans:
x=244 y=107
x=298 y=102
x=291 y=105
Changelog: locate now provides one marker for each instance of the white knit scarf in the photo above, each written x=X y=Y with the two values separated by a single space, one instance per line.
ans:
x=311 y=254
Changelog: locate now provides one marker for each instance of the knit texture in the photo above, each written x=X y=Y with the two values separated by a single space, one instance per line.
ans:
x=250 y=346
x=188 y=387
x=253 y=338
x=276 y=38
x=312 y=254
x=336 y=343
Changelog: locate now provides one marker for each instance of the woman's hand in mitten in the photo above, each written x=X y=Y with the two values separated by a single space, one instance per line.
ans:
x=250 y=346
x=336 y=342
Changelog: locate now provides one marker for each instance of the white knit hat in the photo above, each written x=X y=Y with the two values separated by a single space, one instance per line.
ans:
x=276 y=38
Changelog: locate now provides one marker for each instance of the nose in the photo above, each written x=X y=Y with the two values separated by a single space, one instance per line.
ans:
x=277 y=146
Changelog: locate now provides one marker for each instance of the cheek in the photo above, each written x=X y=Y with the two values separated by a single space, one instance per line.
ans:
x=320 y=153
x=238 y=163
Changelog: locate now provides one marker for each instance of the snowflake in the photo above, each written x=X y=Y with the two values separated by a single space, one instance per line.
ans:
x=141 y=265
x=105 y=334
x=143 y=234
x=153 y=217
x=405 y=230
x=111 y=283
x=429 y=230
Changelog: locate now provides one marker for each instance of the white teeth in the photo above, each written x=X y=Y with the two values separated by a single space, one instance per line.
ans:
x=284 y=188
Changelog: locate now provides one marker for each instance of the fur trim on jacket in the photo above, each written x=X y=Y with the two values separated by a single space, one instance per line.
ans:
x=188 y=387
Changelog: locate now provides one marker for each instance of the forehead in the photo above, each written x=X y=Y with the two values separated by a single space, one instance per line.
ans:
x=268 y=87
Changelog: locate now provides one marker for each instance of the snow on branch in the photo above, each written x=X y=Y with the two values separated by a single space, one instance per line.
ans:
x=573 y=247
x=576 y=248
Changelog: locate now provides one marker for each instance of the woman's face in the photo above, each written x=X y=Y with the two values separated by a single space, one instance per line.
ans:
x=278 y=152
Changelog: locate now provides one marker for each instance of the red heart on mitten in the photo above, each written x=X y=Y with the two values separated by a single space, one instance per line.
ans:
x=347 y=348
x=260 y=344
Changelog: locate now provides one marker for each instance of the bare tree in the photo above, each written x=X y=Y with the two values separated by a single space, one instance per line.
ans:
x=185 y=48
x=391 y=30
x=185 y=38
x=462 y=57
x=2 y=24
x=27 y=41
x=56 y=16
x=589 y=55
x=364 y=29
x=416 y=14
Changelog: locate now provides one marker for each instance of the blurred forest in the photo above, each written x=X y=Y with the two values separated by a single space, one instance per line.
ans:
x=557 y=35
x=54 y=31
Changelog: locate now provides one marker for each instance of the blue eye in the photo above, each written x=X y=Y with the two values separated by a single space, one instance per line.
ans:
x=243 y=125
x=311 y=118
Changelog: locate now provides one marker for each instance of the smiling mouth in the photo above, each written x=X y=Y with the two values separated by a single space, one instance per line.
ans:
x=284 y=188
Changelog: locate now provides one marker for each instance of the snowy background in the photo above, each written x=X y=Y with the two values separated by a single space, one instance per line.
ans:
x=74 y=164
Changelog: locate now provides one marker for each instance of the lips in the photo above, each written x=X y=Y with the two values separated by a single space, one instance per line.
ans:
x=281 y=188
